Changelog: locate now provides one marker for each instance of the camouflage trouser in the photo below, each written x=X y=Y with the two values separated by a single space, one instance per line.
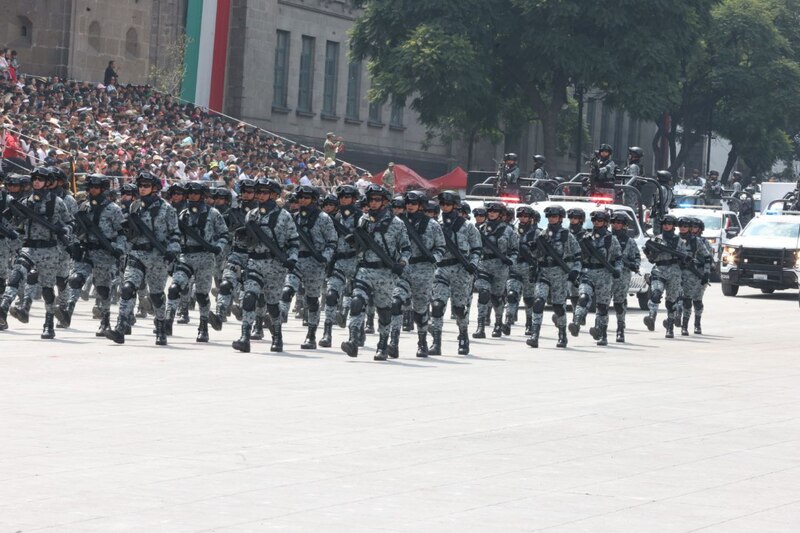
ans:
x=46 y=263
x=491 y=287
x=452 y=283
x=519 y=286
x=198 y=266
x=667 y=279
x=65 y=267
x=337 y=287
x=553 y=282
x=263 y=278
x=5 y=258
x=101 y=267
x=374 y=284
x=145 y=270
x=311 y=273
x=693 y=291
x=232 y=274
x=619 y=291
x=415 y=286
x=597 y=284
x=219 y=264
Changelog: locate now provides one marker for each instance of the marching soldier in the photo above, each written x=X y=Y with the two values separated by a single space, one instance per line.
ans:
x=155 y=243
x=635 y=155
x=693 y=287
x=631 y=261
x=9 y=237
x=576 y=217
x=522 y=274
x=665 y=251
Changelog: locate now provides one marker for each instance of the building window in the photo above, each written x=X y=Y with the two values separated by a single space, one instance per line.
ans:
x=331 y=78
x=132 y=44
x=353 y=90
x=396 y=117
x=94 y=35
x=305 y=91
x=280 y=85
x=25 y=37
x=375 y=112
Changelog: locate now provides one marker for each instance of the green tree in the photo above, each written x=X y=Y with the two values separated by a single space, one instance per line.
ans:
x=491 y=63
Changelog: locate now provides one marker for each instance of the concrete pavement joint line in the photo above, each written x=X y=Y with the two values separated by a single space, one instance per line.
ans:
x=754 y=513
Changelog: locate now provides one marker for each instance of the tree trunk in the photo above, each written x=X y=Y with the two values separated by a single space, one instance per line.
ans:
x=548 y=113
x=656 y=144
x=733 y=155
x=470 y=149
x=549 y=121
x=688 y=142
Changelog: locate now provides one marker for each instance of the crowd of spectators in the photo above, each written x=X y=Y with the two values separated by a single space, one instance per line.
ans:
x=120 y=130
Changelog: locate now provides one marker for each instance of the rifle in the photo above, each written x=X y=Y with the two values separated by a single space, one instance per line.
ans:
x=491 y=246
x=685 y=258
x=305 y=238
x=630 y=266
x=591 y=250
x=142 y=228
x=90 y=228
x=341 y=229
x=546 y=248
x=23 y=211
x=414 y=236
x=255 y=231
x=364 y=240
x=195 y=236
x=500 y=185
x=452 y=247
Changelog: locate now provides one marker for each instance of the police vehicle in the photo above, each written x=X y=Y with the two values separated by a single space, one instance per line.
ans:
x=766 y=255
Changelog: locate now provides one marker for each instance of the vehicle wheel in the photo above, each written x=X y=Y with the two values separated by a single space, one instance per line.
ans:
x=729 y=289
x=644 y=299
x=767 y=291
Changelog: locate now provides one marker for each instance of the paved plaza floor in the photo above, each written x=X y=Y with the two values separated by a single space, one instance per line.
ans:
x=692 y=434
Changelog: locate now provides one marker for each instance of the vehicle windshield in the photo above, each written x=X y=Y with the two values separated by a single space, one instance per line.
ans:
x=712 y=222
x=764 y=227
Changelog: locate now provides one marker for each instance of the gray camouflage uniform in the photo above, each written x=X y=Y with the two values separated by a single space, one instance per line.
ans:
x=493 y=270
x=596 y=280
x=631 y=260
x=692 y=287
x=666 y=275
x=522 y=277
x=552 y=281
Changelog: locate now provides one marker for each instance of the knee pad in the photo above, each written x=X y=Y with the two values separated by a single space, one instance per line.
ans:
x=274 y=310
x=61 y=283
x=384 y=316
x=687 y=303
x=484 y=297
x=103 y=292
x=538 y=306
x=225 y=288
x=397 y=306
x=15 y=278
x=420 y=318
x=287 y=294
x=33 y=277
x=174 y=291
x=460 y=311
x=332 y=298
x=583 y=300
x=670 y=305
x=619 y=308
x=655 y=297
x=602 y=309
x=76 y=281
x=157 y=299
x=249 y=301
x=698 y=305
x=25 y=262
x=559 y=310
x=48 y=295
x=528 y=300
x=437 y=309
x=357 y=305
x=512 y=297
x=127 y=291
x=312 y=303
x=202 y=299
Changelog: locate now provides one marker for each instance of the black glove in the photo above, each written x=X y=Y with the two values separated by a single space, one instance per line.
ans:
x=217 y=249
x=117 y=253
x=170 y=256
x=75 y=251
x=62 y=231
x=290 y=264
x=13 y=235
x=616 y=274
x=704 y=279
x=507 y=261
x=573 y=276
x=398 y=268
x=472 y=269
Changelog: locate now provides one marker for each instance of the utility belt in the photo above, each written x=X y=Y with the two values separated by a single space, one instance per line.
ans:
x=39 y=243
x=593 y=267
x=667 y=263
x=303 y=255
x=345 y=255
x=239 y=250
x=490 y=256
x=262 y=256
x=373 y=264
x=448 y=262
x=417 y=260
x=146 y=247
x=194 y=250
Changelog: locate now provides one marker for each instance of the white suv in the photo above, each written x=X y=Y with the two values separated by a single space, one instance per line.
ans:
x=720 y=227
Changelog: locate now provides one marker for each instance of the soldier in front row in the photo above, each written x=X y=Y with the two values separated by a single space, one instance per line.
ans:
x=664 y=252
x=522 y=275
x=693 y=287
x=631 y=261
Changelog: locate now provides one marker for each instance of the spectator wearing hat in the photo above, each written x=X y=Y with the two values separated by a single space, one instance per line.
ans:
x=388 y=177
x=332 y=146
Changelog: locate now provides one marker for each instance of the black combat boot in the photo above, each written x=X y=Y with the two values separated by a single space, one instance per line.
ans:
x=574 y=328
x=480 y=333
x=506 y=327
x=243 y=344
x=697 y=329
x=183 y=315
x=22 y=311
x=350 y=346
x=96 y=312
x=370 y=326
x=311 y=339
x=341 y=318
x=118 y=333
x=3 y=317
x=215 y=319
x=650 y=321
x=562 y=337
x=161 y=332
x=47 y=331
x=436 y=345
x=382 y=352
x=277 y=336
x=670 y=334
x=327 y=333
x=603 y=341
x=258 y=329
x=105 y=324
x=422 y=344
x=595 y=332
x=167 y=324
x=64 y=314
x=202 y=330
x=408 y=321
x=362 y=335
x=685 y=325
x=529 y=326
x=394 y=344
x=620 y=332
x=533 y=341
x=463 y=341
x=236 y=310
